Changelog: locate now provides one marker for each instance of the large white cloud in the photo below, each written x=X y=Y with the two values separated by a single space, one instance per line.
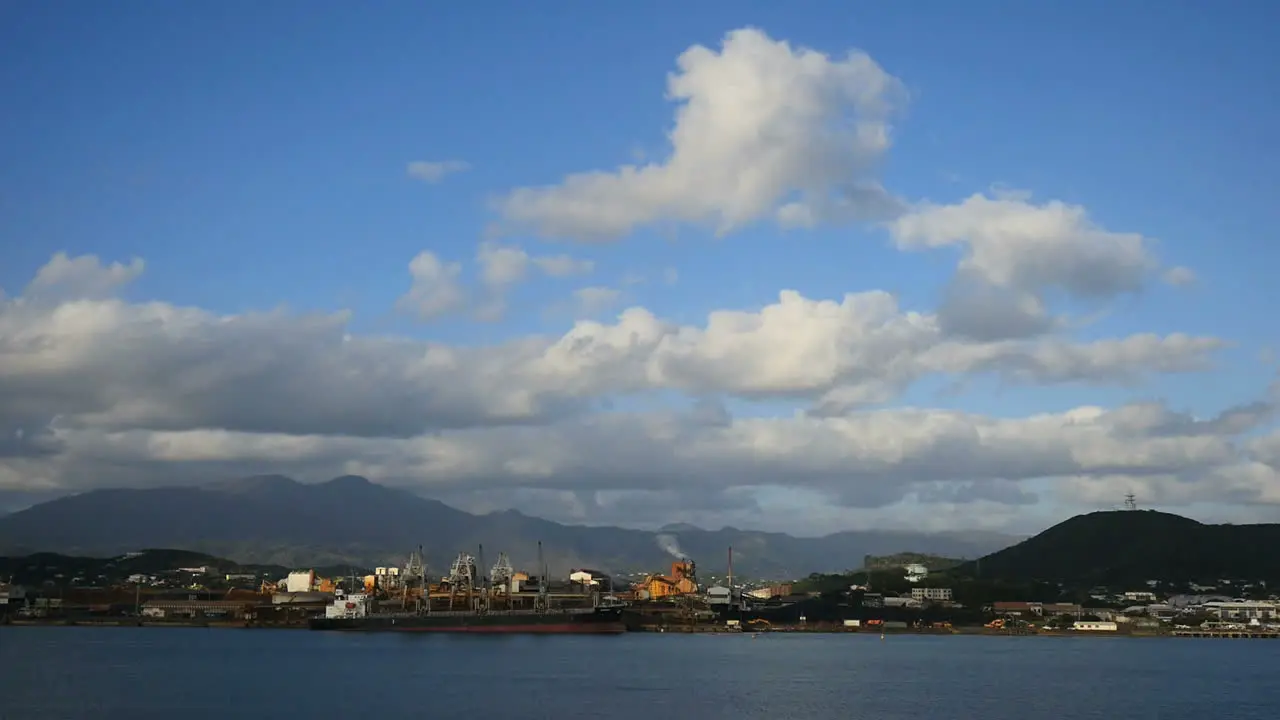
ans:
x=110 y=364
x=101 y=391
x=762 y=128
x=1014 y=251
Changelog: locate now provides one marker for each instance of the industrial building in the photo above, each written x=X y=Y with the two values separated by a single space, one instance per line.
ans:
x=1035 y=609
x=1095 y=626
x=1263 y=610
x=681 y=581
x=719 y=595
x=769 y=592
x=589 y=578
x=196 y=609
x=920 y=594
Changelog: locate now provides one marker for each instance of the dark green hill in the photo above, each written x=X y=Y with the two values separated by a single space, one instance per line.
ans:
x=1119 y=547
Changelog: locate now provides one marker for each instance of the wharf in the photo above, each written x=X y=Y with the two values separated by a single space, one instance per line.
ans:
x=812 y=628
x=1232 y=634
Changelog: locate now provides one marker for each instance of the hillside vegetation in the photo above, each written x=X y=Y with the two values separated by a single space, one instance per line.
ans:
x=1131 y=547
x=67 y=570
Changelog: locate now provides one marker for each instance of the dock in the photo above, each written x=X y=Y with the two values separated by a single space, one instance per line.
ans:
x=1232 y=634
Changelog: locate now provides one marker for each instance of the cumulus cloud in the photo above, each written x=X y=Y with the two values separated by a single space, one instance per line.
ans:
x=1015 y=250
x=82 y=277
x=1013 y=243
x=504 y=266
x=104 y=391
x=762 y=128
x=1180 y=276
x=114 y=364
x=433 y=171
x=595 y=299
x=865 y=460
x=436 y=289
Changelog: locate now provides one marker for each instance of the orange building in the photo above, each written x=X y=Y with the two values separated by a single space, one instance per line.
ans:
x=679 y=582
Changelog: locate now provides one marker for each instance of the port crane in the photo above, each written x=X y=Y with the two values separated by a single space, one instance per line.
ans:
x=462 y=579
x=501 y=575
x=414 y=570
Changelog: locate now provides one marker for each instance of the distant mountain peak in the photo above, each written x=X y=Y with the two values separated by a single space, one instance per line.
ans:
x=253 y=483
x=679 y=527
x=273 y=519
x=352 y=481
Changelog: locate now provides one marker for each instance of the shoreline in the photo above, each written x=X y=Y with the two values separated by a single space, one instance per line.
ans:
x=689 y=630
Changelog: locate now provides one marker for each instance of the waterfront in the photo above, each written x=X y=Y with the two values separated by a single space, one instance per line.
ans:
x=198 y=673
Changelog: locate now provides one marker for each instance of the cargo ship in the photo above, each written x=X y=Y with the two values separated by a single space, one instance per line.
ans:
x=503 y=601
x=353 y=612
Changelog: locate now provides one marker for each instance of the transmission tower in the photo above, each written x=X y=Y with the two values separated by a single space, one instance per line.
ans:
x=1130 y=502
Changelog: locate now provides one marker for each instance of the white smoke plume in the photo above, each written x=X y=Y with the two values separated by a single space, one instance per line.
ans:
x=670 y=546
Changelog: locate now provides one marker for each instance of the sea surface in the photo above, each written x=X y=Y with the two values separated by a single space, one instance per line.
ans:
x=195 y=673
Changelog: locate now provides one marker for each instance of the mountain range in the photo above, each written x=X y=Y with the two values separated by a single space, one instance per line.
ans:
x=271 y=519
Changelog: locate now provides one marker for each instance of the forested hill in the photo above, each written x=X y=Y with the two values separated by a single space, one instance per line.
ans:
x=1133 y=546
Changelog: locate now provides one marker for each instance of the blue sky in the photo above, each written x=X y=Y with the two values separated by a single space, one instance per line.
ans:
x=255 y=157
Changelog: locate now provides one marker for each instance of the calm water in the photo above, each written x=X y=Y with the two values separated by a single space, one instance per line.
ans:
x=141 y=673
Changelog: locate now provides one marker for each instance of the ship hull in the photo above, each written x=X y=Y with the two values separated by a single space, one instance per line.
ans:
x=594 y=623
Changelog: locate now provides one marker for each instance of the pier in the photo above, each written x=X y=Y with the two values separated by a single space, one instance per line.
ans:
x=1232 y=634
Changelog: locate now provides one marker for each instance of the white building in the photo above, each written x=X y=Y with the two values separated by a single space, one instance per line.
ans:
x=718 y=595
x=300 y=581
x=1244 y=609
x=1094 y=626
x=931 y=594
x=586 y=577
x=916 y=572
x=14 y=594
x=1140 y=596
